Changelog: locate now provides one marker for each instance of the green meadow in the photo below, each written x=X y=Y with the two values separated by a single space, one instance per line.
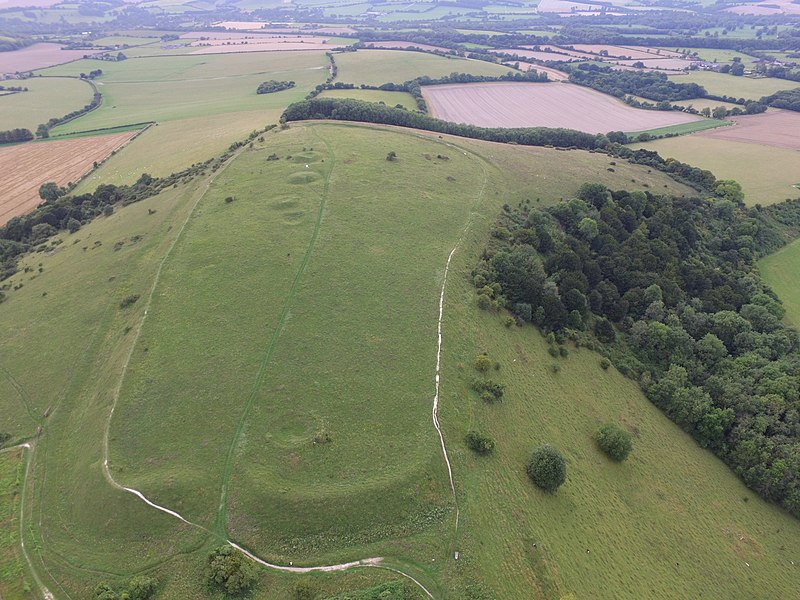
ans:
x=171 y=88
x=780 y=271
x=374 y=67
x=47 y=97
x=404 y=99
x=767 y=174
x=278 y=392
x=722 y=84
x=14 y=583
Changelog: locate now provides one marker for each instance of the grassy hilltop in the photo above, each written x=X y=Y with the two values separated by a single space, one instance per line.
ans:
x=279 y=392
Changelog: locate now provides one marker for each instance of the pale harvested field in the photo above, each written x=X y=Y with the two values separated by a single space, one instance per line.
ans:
x=632 y=52
x=774 y=7
x=28 y=166
x=263 y=44
x=543 y=105
x=778 y=128
x=401 y=45
x=552 y=74
x=668 y=64
x=37 y=56
x=539 y=55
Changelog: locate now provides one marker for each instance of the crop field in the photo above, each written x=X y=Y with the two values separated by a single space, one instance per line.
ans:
x=543 y=105
x=721 y=84
x=28 y=166
x=266 y=43
x=388 y=98
x=629 y=52
x=720 y=55
x=401 y=45
x=47 y=97
x=37 y=56
x=701 y=103
x=778 y=128
x=375 y=67
x=552 y=74
x=541 y=55
x=767 y=174
x=181 y=87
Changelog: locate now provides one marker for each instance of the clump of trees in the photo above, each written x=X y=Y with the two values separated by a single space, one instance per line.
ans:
x=140 y=587
x=230 y=571
x=787 y=99
x=614 y=441
x=272 y=86
x=669 y=289
x=13 y=136
x=650 y=85
x=547 y=468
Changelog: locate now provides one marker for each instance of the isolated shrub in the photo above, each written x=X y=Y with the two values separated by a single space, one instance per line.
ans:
x=547 y=468
x=563 y=351
x=142 y=587
x=490 y=391
x=552 y=351
x=4 y=439
x=229 y=199
x=73 y=225
x=484 y=302
x=230 y=571
x=129 y=301
x=509 y=322
x=391 y=156
x=481 y=444
x=483 y=363
x=614 y=441
x=605 y=363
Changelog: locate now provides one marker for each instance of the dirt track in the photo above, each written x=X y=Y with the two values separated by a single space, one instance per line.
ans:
x=28 y=166
x=543 y=105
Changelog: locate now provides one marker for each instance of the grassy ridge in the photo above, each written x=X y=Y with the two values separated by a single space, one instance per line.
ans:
x=13 y=577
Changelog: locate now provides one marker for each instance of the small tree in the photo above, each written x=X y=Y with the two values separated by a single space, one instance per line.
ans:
x=391 y=156
x=614 y=441
x=483 y=363
x=547 y=468
x=230 y=571
x=73 y=225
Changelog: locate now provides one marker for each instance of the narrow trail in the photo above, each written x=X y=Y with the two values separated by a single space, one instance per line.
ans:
x=435 y=410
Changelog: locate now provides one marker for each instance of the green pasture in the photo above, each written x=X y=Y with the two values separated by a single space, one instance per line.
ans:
x=780 y=271
x=721 y=56
x=14 y=580
x=181 y=87
x=47 y=97
x=684 y=128
x=374 y=67
x=722 y=84
x=767 y=174
x=701 y=103
x=404 y=99
x=279 y=391
x=122 y=40
x=171 y=146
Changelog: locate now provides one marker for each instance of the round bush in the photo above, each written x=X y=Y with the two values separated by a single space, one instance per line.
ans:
x=547 y=468
x=614 y=441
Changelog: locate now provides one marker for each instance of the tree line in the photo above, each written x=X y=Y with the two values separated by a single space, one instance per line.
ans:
x=669 y=290
x=13 y=136
x=272 y=86
x=653 y=86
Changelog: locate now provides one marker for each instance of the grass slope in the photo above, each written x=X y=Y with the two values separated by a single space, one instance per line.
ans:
x=766 y=174
x=13 y=577
x=780 y=272
x=312 y=299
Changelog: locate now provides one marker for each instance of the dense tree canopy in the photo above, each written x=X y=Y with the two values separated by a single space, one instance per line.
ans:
x=669 y=289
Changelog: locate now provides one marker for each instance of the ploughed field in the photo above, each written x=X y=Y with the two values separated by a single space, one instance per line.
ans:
x=28 y=166
x=543 y=105
x=37 y=56
x=779 y=128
